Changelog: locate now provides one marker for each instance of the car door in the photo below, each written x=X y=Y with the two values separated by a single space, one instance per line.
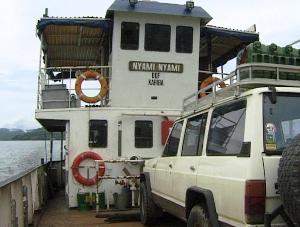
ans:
x=186 y=163
x=162 y=181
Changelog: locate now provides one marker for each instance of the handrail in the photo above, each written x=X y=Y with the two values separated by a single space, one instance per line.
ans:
x=210 y=72
x=234 y=81
x=68 y=82
x=77 y=67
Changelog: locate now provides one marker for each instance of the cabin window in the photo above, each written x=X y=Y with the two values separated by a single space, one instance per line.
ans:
x=143 y=134
x=98 y=133
x=157 y=37
x=130 y=35
x=184 y=39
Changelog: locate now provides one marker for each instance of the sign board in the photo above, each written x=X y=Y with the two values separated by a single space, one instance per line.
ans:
x=155 y=67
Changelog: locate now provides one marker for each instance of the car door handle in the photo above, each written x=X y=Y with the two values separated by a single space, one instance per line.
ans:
x=154 y=166
x=192 y=168
x=170 y=165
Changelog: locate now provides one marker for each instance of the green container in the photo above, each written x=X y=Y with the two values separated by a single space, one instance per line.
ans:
x=101 y=196
x=83 y=200
x=259 y=53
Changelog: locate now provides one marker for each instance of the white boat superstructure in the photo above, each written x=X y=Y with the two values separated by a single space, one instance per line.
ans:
x=151 y=55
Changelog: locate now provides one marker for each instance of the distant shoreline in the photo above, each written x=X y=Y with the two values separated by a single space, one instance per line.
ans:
x=31 y=135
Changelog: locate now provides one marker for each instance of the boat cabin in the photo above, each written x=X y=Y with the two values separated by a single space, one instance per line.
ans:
x=114 y=85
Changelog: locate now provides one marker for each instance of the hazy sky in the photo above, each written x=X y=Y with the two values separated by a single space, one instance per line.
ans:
x=276 y=20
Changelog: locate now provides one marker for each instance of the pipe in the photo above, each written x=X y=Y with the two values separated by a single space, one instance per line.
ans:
x=120 y=161
x=97 y=202
x=51 y=147
x=61 y=158
x=119 y=177
x=107 y=200
x=132 y=198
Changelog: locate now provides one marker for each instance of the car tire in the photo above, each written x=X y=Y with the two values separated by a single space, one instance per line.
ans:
x=148 y=210
x=198 y=217
x=289 y=179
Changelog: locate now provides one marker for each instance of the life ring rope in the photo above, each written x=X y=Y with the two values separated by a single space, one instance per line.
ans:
x=209 y=80
x=75 y=168
x=91 y=75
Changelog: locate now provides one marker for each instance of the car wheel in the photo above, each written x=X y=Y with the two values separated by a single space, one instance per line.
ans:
x=148 y=210
x=198 y=217
x=289 y=179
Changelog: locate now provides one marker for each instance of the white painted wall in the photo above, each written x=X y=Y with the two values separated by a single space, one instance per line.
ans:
x=77 y=137
x=131 y=89
x=79 y=132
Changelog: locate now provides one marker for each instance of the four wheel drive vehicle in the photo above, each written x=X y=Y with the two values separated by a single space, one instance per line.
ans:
x=234 y=155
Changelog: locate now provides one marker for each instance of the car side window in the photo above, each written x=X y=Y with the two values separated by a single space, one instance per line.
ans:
x=173 y=141
x=194 y=136
x=226 y=134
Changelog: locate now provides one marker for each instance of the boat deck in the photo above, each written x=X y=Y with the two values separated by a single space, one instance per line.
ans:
x=56 y=213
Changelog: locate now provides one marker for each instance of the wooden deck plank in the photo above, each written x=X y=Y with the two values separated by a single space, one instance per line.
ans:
x=57 y=214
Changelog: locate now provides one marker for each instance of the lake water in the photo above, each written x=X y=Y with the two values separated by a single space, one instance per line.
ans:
x=19 y=156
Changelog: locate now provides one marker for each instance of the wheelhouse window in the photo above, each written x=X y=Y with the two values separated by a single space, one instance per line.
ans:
x=130 y=35
x=184 y=39
x=143 y=134
x=226 y=135
x=173 y=141
x=281 y=121
x=194 y=136
x=157 y=37
x=98 y=133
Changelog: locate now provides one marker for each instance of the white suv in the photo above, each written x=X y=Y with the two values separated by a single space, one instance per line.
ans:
x=221 y=161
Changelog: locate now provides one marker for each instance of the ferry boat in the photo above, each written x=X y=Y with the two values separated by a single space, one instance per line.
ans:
x=146 y=56
x=115 y=85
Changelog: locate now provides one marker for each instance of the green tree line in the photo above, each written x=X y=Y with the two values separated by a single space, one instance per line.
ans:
x=34 y=134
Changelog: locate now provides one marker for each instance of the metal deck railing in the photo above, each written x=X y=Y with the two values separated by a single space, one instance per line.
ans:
x=63 y=87
x=245 y=77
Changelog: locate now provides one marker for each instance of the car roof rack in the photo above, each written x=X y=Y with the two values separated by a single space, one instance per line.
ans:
x=245 y=77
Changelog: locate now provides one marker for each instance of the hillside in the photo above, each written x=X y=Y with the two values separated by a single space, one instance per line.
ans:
x=9 y=134
x=34 y=134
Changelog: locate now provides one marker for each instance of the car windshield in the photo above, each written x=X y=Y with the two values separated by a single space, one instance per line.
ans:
x=281 y=120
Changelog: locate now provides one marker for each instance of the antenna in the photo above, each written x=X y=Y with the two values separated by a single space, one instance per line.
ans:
x=46 y=13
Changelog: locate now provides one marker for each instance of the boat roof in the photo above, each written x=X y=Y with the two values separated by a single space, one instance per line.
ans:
x=72 y=41
x=225 y=42
x=158 y=8
x=91 y=22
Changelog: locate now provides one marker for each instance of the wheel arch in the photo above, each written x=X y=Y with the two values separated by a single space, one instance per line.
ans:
x=196 y=195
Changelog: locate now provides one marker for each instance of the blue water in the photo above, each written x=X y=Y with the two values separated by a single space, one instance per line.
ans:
x=19 y=156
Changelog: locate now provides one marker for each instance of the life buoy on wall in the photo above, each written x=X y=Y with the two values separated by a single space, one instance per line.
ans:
x=91 y=75
x=79 y=159
x=208 y=81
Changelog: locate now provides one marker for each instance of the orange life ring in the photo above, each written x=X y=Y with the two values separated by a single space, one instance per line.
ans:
x=209 y=80
x=91 y=75
x=79 y=159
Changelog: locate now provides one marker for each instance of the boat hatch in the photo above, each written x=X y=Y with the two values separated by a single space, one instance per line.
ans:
x=74 y=41
x=222 y=44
